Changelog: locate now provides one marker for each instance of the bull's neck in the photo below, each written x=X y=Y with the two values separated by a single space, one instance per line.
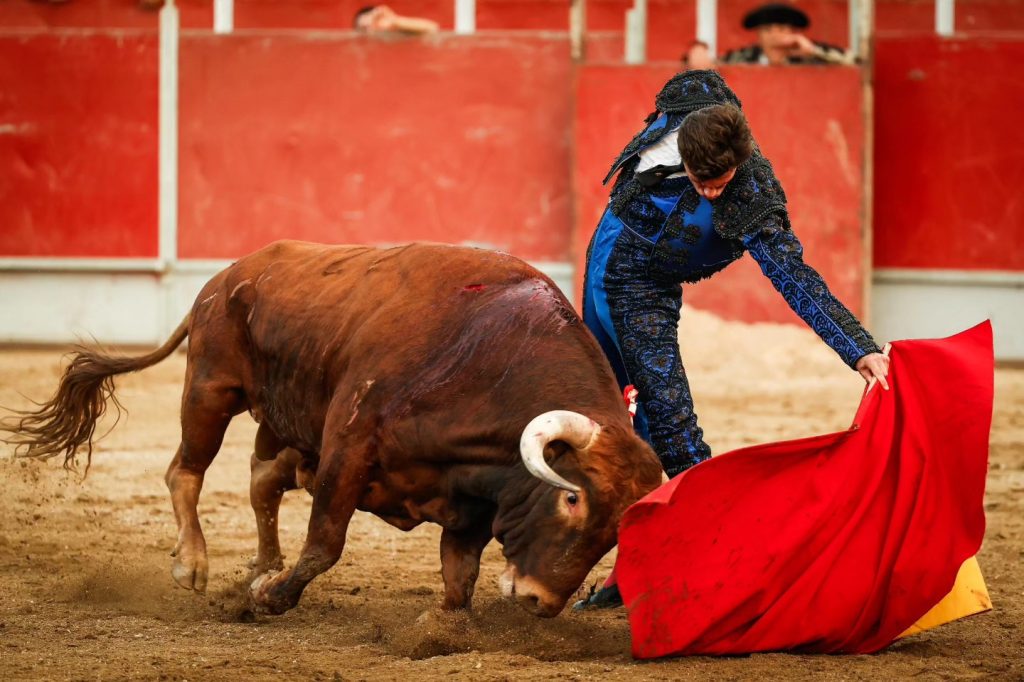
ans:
x=489 y=481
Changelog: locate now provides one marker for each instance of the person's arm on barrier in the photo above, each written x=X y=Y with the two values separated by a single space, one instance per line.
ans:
x=383 y=19
x=802 y=47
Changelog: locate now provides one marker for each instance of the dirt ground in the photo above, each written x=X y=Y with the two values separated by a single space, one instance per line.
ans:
x=87 y=592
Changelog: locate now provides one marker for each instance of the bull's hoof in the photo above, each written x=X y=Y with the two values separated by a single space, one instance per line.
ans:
x=605 y=598
x=258 y=567
x=262 y=599
x=190 y=571
x=428 y=618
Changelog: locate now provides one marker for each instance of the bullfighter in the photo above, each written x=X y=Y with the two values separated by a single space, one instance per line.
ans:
x=693 y=194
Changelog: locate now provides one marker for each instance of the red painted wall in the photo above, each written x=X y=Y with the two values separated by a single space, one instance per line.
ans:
x=328 y=138
x=671 y=25
x=818 y=158
x=346 y=139
x=78 y=145
x=339 y=138
x=948 y=151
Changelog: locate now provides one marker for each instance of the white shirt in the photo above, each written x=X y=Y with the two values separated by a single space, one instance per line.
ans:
x=664 y=152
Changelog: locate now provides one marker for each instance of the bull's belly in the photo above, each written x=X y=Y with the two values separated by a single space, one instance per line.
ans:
x=406 y=509
x=294 y=428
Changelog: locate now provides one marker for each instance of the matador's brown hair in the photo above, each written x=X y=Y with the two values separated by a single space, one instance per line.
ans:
x=714 y=139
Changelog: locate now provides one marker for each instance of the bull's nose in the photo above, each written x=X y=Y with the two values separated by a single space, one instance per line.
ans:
x=537 y=600
x=534 y=605
x=529 y=593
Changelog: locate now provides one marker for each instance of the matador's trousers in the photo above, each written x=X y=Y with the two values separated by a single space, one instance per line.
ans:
x=635 y=319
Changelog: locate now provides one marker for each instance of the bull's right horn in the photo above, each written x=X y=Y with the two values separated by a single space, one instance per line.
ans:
x=572 y=427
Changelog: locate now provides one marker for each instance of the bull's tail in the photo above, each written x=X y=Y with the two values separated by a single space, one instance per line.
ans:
x=67 y=421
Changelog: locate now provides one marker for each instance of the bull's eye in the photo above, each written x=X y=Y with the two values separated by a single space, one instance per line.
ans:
x=572 y=499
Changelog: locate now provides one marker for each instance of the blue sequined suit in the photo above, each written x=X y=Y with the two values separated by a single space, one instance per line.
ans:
x=653 y=239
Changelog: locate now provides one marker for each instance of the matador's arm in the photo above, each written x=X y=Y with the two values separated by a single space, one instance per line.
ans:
x=780 y=255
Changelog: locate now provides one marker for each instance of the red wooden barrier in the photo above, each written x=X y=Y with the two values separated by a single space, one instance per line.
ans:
x=78 y=145
x=337 y=139
x=345 y=139
x=948 y=141
x=671 y=23
x=816 y=151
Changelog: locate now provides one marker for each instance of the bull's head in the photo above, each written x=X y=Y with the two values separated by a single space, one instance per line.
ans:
x=554 y=535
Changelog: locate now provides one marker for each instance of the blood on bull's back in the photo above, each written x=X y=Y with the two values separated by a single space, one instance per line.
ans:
x=429 y=325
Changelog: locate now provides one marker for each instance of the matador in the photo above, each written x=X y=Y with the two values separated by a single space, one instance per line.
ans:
x=694 y=194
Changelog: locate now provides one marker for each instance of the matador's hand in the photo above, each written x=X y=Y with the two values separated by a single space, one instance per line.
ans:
x=874 y=366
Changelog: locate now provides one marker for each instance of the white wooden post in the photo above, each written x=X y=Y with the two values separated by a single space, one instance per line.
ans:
x=707 y=24
x=578 y=29
x=465 y=17
x=945 y=14
x=853 y=26
x=861 y=19
x=223 y=16
x=168 y=162
x=168 y=132
x=636 y=33
x=865 y=28
x=864 y=20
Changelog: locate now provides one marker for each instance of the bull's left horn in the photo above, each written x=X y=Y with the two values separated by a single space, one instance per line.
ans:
x=572 y=427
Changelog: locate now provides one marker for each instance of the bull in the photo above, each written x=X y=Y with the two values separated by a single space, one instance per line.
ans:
x=419 y=383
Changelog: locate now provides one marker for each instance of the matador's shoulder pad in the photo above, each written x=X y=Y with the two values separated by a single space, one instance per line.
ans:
x=753 y=194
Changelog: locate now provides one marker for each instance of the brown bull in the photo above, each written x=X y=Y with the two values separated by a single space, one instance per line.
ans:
x=419 y=383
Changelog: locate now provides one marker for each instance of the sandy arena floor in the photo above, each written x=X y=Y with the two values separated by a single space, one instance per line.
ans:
x=87 y=593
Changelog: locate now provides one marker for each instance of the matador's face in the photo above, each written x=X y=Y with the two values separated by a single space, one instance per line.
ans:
x=713 y=188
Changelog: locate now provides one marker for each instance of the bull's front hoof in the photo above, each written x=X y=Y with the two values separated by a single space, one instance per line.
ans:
x=605 y=598
x=263 y=599
x=190 y=570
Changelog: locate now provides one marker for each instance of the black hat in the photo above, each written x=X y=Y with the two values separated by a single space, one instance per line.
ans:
x=776 y=13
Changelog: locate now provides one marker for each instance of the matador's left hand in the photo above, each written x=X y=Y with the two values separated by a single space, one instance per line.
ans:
x=874 y=366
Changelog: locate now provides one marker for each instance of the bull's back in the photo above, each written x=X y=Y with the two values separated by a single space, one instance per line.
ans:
x=428 y=324
x=346 y=277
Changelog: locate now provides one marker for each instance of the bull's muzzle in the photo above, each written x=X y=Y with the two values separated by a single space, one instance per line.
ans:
x=529 y=593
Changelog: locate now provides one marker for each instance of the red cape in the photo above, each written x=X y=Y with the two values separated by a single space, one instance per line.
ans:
x=835 y=543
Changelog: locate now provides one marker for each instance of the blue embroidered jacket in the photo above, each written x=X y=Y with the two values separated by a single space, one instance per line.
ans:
x=691 y=238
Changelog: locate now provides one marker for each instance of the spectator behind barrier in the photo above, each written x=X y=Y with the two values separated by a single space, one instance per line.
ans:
x=370 y=19
x=697 y=57
x=383 y=19
x=780 y=40
x=144 y=4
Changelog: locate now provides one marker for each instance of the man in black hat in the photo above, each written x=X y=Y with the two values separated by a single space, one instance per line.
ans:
x=780 y=40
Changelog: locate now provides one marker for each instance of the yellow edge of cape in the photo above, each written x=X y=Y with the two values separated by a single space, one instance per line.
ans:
x=968 y=597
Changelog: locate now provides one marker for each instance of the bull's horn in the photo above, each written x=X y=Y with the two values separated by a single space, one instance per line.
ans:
x=571 y=427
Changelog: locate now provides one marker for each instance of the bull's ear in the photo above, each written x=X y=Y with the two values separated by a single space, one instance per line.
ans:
x=555 y=448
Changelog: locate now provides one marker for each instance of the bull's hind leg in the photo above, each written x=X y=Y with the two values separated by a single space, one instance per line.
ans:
x=340 y=481
x=273 y=474
x=206 y=410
